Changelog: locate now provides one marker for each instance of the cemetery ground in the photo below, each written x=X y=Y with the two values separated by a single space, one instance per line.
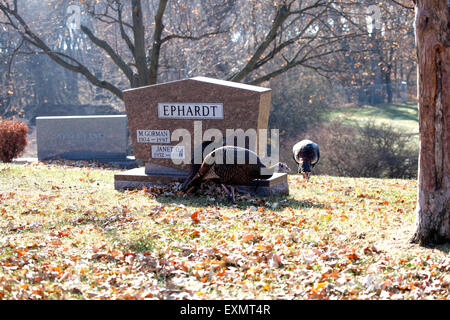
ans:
x=401 y=116
x=67 y=234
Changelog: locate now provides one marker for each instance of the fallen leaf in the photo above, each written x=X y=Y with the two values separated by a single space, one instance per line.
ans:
x=195 y=233
x=194 y=217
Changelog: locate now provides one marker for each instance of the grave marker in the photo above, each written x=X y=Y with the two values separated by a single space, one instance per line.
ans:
x=168 y=121
x=103 y=138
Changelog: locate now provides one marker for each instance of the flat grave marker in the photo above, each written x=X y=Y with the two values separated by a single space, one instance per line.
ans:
x=103 y=138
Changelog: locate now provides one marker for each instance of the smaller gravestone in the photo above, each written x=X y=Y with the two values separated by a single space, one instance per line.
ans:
x=102 y=138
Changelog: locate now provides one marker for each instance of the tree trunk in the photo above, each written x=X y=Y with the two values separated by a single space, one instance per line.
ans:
x=387 y=75
x=432 y=26
x=156 y=46
x=139 y=45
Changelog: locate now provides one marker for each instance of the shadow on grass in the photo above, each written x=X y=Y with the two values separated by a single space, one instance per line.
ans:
x=390 y=111
x=398 y=111
x=445 y=247
x=113 y=165
x=394 y=111
x=275 y=203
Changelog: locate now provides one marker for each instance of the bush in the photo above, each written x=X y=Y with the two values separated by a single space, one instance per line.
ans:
x=371 y=150
x=298 y=104
x=13 y=139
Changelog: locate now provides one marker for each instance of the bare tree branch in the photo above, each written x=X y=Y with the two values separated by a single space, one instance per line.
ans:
x=15 y=51
x=402 y=5
x=110 y=51
x=202 y=36
x=106 y=17
x=281 y=15
x=58 y=57
x=286 y=43
x=156 y=46
x=123 y=33
x=293 y=63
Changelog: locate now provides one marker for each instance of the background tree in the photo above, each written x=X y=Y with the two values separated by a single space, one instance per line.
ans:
x=433 y=54
x=314 y=54
x=280 y=35
x=128 y=19
x=374 y=67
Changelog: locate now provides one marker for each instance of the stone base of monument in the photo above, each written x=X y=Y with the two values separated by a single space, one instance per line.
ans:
x=276 y=185
x=129 y=162
x=138 y=178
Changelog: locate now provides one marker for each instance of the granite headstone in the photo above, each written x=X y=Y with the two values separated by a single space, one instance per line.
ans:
x=99 y=137
x=168 y=121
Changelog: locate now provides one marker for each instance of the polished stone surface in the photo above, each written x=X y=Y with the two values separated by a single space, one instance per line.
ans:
x=137 y=178
x=195 y=105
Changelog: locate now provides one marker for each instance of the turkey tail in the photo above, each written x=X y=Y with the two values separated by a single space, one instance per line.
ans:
x=192 y=183
x=192 y=172
x=307 y=151
x=317 y=157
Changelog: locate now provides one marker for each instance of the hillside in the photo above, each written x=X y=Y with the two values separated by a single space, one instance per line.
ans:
x=401 y=116
x=67 y=234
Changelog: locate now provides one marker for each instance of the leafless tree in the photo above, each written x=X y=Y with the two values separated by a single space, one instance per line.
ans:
x=279 y=36
x=433 y=54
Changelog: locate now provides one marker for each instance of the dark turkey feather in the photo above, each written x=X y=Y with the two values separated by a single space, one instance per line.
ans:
x=230 y=165
x=307 y=154
x=194 y=167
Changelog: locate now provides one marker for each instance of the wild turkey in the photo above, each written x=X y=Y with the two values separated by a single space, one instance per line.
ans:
x=306 y=154
x=230 y=165
x=194 y=167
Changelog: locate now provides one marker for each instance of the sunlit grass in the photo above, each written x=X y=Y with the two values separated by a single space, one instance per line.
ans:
x=401 y=116
x=67 y=234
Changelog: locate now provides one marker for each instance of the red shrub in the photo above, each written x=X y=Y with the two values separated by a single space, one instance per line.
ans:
x=13 y=139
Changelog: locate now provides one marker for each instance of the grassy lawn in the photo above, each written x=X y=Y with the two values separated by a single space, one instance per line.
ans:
x=67 y=234
x=403 y=117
